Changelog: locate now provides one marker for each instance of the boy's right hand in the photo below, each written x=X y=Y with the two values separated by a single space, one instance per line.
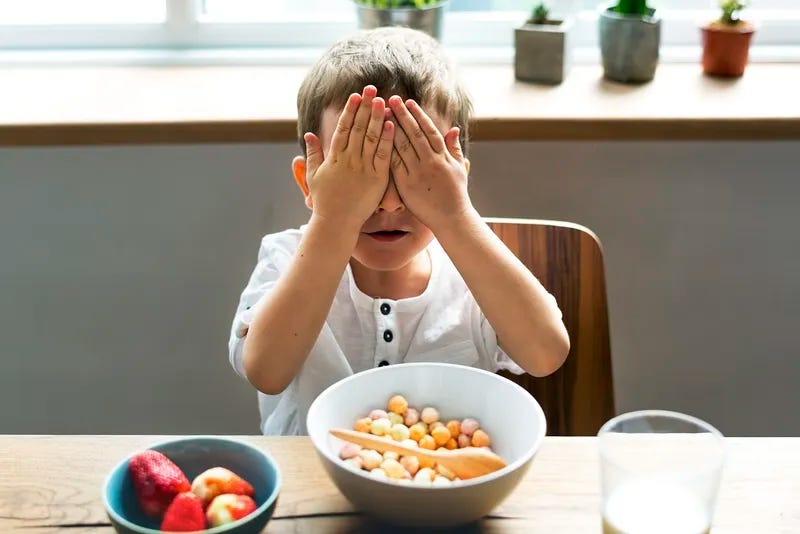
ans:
x=348 y=183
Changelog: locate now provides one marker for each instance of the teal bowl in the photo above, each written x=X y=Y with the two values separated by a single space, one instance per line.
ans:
x=194 y=455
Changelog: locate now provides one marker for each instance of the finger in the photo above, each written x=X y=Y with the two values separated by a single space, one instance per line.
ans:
x=408 y=123
x=402 y=146
x=355 y=143
x=399 y=169
x=383 y=153
x=427 y=125
x=452 y=139
x=374 y=129
x=345 y=124
x=314 y=156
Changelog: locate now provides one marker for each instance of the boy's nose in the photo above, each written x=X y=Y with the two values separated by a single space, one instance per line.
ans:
x=391 y=200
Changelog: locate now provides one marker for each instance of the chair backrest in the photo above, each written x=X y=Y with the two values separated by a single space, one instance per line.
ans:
x=568 y=260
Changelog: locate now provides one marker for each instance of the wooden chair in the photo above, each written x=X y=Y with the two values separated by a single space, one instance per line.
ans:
x=568 y=260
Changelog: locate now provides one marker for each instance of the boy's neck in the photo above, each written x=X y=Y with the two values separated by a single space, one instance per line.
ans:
x=406 y=282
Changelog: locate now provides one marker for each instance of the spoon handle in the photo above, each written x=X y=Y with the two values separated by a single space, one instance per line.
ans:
x=382 y=444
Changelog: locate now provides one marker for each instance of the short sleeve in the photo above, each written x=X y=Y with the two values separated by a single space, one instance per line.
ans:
x=274 y=255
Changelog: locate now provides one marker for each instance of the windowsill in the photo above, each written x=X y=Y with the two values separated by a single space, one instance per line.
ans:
x=102 y=105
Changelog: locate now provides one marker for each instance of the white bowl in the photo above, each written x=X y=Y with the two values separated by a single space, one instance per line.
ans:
x=509 y=414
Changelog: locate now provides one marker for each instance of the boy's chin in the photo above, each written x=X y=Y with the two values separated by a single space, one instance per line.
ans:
x=382 y=262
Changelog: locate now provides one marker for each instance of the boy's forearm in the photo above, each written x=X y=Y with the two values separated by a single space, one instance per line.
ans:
x=511 y=298
x=288 y=323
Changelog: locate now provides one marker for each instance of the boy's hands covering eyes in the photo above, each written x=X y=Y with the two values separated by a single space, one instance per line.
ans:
x=429 y=170
x=348 y=184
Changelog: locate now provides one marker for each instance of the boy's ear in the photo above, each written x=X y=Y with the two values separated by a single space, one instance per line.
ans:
x=299 y=172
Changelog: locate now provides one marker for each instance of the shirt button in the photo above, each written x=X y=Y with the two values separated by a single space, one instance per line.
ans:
x=385 y=309
x=388 y=336
x=383 y=363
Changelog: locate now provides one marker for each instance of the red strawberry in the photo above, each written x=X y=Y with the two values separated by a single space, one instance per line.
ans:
x=227 y=508
x=218 y=480
x=156 y=481
x=185 y=514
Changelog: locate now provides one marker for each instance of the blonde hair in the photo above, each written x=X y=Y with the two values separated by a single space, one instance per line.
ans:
x=397 y=61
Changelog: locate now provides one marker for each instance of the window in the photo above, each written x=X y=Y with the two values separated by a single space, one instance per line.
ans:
x=283 y=29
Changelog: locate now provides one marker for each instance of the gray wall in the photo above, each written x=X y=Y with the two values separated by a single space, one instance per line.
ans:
x=120 y=269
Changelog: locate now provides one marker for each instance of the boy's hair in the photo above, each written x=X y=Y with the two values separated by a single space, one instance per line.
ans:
x=397 y=61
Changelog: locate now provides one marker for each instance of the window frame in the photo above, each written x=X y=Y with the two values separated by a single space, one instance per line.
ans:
x=478 y=36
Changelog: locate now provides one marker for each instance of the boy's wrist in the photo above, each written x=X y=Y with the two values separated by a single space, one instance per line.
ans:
x=337 y=230
x=453 y=225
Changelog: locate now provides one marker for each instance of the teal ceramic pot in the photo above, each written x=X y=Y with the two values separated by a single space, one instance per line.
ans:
x=629 y=45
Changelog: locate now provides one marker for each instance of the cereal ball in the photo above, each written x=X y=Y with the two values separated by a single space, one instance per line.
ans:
x=363 y=425
x=355 y=463
x=370 y=459
x=480 y=439
x=400 y=432
x=451 y=444
x=418 y=431
x=429 y=415
x=435 y=424
x=378 y=473
x=426 y=462
x=378 y=414
x=411 y=417
x=410 y=464
x=441 y=481
x=454 y=426
x=464 y=441
x=390 y=455
x=380 y=427
x=349 y=450
x=425 y=474
x=393 y=469
x=396 y=419
x=409 y=443
x=441 y=435
x=427 y=442
x=469 y=426
x=398 y=405
x=445 y=472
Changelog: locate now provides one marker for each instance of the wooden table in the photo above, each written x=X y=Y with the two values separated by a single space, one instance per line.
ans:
x=53 y=483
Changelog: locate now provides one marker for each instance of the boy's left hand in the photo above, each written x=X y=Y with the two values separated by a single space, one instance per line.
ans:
x=430 y=170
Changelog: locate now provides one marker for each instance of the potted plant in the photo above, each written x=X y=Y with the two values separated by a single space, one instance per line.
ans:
x=423 y=15
x=630 y=33
x=541 y=47
x=726 y=41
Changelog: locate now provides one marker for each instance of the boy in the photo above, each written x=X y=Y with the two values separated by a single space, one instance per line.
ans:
x=394 y=265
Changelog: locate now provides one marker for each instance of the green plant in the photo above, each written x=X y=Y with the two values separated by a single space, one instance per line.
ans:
x=541 y=14
x=391 y=4
x=730 y=11
x=631 y=7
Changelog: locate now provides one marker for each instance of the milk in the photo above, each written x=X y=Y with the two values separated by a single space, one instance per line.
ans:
x=654 y=508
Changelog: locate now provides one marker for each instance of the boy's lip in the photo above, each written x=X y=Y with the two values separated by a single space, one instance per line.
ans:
x=387 y=234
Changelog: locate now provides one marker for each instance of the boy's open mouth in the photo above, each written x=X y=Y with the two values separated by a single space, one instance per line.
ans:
x=387 y=235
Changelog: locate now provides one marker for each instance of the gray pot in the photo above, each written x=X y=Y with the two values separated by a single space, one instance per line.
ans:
x=629 y=45
x=542 y=52
x=427 y=19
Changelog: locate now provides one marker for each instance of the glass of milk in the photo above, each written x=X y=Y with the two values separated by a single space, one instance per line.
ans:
x=659 y=473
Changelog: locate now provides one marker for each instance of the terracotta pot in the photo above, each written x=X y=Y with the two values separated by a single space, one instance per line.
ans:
x=725 y=48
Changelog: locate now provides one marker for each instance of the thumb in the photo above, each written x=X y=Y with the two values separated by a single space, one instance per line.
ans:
x=314 y=157
x=453 y=143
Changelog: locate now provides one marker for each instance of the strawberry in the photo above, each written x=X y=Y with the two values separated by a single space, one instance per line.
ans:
x=156 y=481
x=185 y=514
x=227 y=508
x=218 y=480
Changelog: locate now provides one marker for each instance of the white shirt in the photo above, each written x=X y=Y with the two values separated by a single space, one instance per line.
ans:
x=443 y=324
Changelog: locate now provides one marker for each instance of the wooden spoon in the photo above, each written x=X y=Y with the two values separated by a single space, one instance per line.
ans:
x=469 y=462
